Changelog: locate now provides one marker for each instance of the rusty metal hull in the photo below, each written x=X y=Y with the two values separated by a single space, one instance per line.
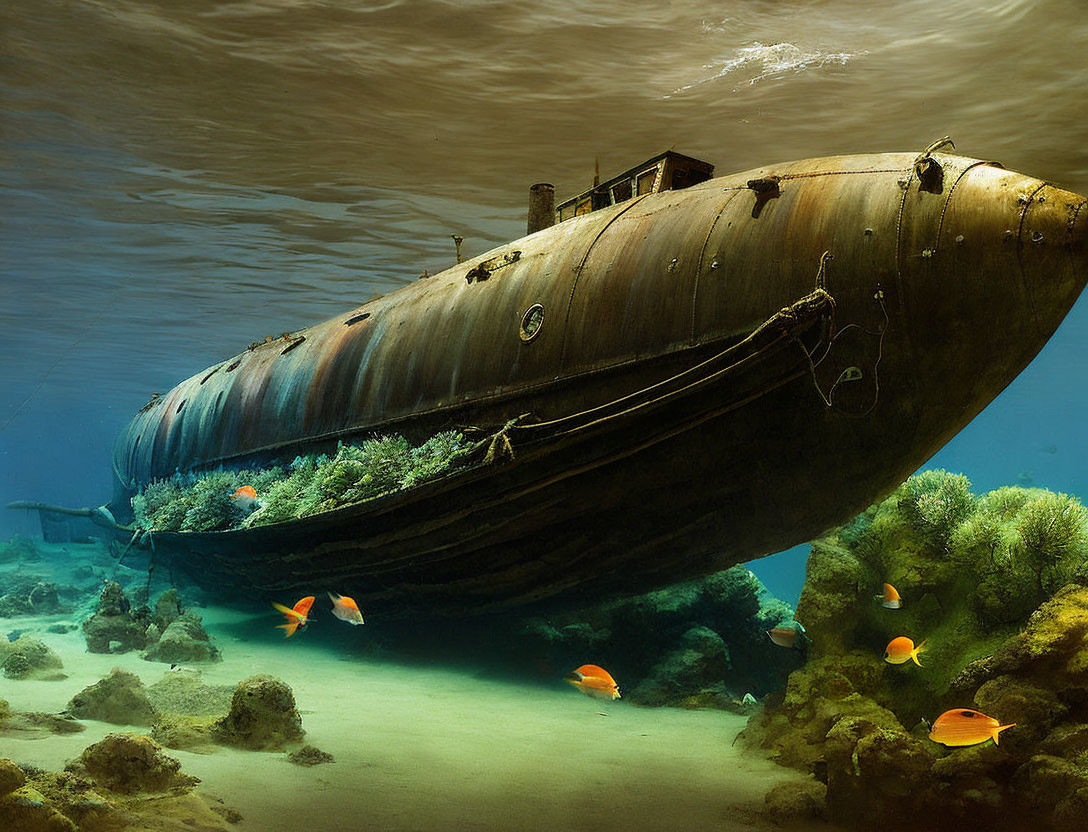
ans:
x=946 y=275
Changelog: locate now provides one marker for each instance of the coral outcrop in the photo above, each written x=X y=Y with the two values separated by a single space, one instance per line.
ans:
x=169 y=633
x=119 y=698
x=122 y=784
x=262 y=717
x=115 y=627
x=29 y=658
x=184 y=640
x=995 y=585
x=131 y=763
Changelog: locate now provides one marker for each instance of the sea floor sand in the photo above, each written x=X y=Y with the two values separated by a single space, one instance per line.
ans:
x=422 y=748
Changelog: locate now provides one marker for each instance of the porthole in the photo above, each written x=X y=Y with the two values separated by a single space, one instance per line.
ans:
x=531 y=322
x=209 y=375
x=354 y=319
x=180 y=406
x=234 y=366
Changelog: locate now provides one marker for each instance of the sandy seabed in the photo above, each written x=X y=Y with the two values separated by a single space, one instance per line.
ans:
x=421 y=748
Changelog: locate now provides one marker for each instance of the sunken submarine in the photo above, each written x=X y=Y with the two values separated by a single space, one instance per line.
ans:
x=677 y=374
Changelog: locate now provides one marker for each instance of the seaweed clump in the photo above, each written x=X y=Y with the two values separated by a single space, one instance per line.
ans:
x=997 y=587
x=311 y=484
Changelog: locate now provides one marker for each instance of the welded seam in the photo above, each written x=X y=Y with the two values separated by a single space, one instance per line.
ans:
x=578 y=271
x=948 y=201
x=1020 y=254
x=699 y=265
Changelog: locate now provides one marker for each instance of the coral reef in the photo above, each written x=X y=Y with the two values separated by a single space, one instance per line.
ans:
x=700 y=643
x=308 y=755
x=119 y=698
x=310 y=485
x=262 y=716
x=28 y=658
x=996 y=586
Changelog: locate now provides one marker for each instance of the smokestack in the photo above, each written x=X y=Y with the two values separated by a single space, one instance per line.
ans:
x=541 y=207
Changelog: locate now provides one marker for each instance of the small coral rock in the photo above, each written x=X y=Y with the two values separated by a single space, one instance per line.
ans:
x=309 y=755
x=131 y=763
x=183 y=641
x=11 y=776
x=27 y=810
x=119 y=698
x=114 y=628
x=793 y=802
x=262 y=716
x=28 y=658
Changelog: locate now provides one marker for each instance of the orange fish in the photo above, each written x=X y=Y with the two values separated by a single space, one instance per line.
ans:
x=963 y=726
x=890 y=599
x=594 y=681
x=901 y=650
x=297 y=617
x=783 y=636
x=245 y=498
x=346 y=609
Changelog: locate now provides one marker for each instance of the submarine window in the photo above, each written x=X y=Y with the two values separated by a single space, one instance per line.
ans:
x=234 y=366
x=181 y=404
x=292 y=345
x=646 y=181
x=531 y=322
x=209 y=375
x=584 y=207
x=354 y=319
x=621 y=191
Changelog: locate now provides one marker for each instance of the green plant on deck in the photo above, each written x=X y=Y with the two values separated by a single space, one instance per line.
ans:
x=311 y=484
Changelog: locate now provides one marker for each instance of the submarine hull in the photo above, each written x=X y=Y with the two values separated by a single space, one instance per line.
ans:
x=715 y=374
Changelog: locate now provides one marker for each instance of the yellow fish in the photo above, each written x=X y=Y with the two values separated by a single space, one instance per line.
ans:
x=901 y=650
x=962 y=726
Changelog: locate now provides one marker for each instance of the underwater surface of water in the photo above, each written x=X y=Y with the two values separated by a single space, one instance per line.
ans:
x=178 y=180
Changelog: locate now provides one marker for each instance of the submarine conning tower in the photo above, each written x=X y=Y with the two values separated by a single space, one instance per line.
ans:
x=948 y=274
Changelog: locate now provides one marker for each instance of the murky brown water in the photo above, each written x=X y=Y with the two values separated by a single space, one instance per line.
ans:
x=181 y=178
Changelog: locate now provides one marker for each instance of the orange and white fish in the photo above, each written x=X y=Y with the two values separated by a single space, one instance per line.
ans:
x=246 y=498
x=297 y=617
x=346 y=609
x=901 y=650
x=594 y=681
x=890 y=599
x=962 y=726
x=783 y=636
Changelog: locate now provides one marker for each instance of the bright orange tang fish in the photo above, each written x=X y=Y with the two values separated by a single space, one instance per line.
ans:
x=901 y=650
x=297 y=617
x=783 y=636
x=245 y=498
x=346 y=609
x=594 y=681
x=963 y=726
x=890 y=599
